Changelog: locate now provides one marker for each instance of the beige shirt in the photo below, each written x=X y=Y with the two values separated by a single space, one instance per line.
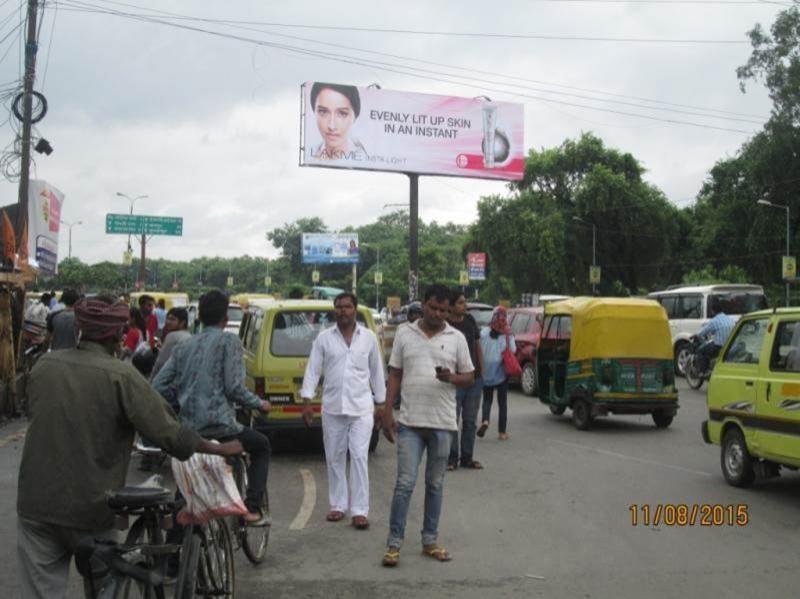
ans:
x=85 y=407
x=427 y=401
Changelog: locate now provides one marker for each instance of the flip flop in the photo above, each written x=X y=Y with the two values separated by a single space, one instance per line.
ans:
x=390 y=557
x=334 y=516
x=472 y=464
x=452 y=466
x=436 y=552
x=482 y=430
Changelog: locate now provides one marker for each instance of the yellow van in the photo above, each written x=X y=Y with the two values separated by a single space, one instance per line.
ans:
x=754 y=397
x=244 y=299
x=171 y=300
x=277 y=336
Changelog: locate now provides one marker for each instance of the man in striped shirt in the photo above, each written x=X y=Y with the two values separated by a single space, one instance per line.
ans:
x=429 y=360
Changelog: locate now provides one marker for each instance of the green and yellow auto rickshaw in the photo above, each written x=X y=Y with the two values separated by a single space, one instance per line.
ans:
x=600 y=356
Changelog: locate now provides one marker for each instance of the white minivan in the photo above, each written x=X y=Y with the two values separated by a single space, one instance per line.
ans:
x=688 y=307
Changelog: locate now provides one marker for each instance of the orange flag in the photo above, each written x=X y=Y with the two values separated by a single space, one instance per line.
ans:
x=22 y=259
x=9 y=239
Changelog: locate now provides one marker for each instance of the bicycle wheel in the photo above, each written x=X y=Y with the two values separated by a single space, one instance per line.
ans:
x=253 y=539
x=216 y=570
x=142 y=532
x=189 y=572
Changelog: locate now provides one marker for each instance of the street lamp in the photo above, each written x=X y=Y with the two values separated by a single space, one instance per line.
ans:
x=764 y=202
x=132 y=202
x=594 y=244
x=378 y=269
x=70 y=225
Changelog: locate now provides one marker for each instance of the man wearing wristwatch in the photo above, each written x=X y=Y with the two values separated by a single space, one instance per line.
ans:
x=348 y=358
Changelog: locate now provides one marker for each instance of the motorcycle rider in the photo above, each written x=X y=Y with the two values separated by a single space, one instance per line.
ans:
x=716 y=331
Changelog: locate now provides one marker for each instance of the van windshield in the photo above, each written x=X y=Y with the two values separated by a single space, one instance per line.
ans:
x=294 y=332
x=738 y=303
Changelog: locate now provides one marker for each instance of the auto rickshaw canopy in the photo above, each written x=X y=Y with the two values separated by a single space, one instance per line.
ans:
x=615 y=328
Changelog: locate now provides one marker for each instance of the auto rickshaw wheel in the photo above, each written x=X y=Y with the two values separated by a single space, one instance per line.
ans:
x=557 y=410
x=737 y=465
x=662 y=419
x=582 y=414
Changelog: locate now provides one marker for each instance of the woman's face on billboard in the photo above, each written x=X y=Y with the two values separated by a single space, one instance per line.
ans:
x=335 y=116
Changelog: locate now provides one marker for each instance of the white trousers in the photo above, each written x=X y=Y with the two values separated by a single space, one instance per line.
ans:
x=340 y=434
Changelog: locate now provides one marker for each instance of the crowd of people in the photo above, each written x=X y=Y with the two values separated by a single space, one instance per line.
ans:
x=180 y=392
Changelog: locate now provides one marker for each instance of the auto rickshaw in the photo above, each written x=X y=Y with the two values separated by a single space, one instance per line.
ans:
x=600 y=356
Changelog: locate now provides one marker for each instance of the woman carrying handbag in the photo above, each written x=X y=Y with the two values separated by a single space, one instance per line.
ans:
x=498 y=347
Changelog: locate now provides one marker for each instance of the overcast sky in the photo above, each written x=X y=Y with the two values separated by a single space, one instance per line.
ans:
x=208 y=125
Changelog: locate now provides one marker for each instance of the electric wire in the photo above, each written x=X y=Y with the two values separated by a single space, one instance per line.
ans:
x=403 y=70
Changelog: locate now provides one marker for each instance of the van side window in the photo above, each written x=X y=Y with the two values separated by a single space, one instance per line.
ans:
x=670 y=303
x=691 y=306
x=785 y=355
x=519 y=325
x=251 y=339
x=745 y=348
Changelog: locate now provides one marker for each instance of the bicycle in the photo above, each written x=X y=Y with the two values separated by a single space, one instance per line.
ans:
x=252 y=538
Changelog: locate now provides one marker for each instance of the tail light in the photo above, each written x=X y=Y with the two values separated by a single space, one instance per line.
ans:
x=261 y=389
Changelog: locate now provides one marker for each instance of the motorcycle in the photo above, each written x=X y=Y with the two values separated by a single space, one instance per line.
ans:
x=695 y=373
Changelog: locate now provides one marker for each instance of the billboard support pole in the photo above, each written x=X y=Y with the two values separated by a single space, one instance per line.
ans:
x=355 y=275
x=413 y=236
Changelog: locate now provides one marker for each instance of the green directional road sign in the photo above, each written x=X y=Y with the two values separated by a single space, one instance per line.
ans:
x=140 y=224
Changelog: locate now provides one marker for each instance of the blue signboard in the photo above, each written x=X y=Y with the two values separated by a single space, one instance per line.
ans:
x=330 y=248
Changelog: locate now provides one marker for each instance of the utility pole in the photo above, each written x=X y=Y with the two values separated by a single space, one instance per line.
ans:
x=141 y=261
x=413 y=237
x=27 y=106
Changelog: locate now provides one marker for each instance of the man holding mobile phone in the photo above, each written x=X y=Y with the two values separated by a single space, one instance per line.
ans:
x=430 y=359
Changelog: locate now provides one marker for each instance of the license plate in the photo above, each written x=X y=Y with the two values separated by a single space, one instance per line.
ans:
x=280 y=398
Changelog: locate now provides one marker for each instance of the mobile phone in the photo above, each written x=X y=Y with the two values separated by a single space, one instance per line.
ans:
x=439 y=369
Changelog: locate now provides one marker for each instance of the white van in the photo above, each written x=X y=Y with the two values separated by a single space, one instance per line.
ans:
x=689 y=307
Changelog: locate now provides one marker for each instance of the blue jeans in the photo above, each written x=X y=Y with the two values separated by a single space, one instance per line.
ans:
x=411 y=443
x=467 y=402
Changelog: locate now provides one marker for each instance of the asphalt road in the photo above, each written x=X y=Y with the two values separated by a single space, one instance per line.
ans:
x=549 y=516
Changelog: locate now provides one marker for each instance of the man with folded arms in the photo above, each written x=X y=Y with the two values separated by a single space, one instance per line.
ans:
x=348 y=357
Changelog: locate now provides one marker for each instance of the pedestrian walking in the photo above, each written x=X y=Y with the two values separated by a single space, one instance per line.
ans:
x=468 y=399
x=160 y=313
x=349 y=359
x=61 y=324
x=177 y=325
x=494 y=342
x=429 y=360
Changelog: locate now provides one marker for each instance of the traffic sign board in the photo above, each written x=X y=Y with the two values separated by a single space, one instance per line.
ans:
x=141 y=224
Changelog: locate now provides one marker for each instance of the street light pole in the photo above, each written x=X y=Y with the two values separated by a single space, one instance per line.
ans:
x=594 y=245
x=143 y=239
x=763 y=202
x=70 y=225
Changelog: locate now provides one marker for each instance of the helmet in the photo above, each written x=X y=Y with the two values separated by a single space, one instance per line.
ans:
x=414 y=309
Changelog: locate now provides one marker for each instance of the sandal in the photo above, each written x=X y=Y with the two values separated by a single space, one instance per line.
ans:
x=334 y=516
x=390 y=557
x=472 y=464
x=436 y=552
x=482 y=430
x=452 y=466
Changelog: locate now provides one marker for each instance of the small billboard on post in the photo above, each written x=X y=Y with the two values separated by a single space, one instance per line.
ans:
x=344 y=126
x=330 y=248
x=476 y=266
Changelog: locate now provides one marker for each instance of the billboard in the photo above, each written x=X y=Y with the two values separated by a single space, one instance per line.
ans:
x=44 y=221
x=476 y=266
x=330 y=248
x=344 y=126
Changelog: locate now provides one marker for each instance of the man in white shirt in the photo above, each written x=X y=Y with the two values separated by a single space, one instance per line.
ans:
x=429 y=360
x=348 y=357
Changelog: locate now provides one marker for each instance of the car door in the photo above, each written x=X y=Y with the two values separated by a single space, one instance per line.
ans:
x=778 y=394
x=732 y=388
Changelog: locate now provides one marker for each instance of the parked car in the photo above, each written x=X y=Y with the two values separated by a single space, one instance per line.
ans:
x=754 y=397
x=689 y=307
x=277 y=337
x=482 y=313
x=526 y=325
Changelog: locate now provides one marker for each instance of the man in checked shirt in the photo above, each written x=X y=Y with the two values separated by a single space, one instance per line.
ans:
x=348 y=357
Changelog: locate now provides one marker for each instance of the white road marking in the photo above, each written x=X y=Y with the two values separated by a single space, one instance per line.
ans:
x=309 y=501
x=632 y=458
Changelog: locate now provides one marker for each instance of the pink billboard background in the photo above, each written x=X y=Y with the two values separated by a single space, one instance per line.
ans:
x=411 y=132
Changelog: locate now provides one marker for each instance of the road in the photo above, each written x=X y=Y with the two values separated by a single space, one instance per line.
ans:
x=549 y=516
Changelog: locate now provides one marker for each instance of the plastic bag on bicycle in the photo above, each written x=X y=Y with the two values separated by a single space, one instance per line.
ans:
x=207 y=485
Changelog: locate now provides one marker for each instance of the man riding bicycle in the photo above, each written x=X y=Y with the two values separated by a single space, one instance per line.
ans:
x=204 y=379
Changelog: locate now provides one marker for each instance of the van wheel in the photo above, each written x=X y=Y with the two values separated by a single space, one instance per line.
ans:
x=373 y=440
x=557 y=410
x=582 y=414
x=737 y=465
x=662 y=419
x=682 y=353
x=528 y=379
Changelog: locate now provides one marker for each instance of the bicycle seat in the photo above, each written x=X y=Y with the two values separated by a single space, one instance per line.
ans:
x=137 y=497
